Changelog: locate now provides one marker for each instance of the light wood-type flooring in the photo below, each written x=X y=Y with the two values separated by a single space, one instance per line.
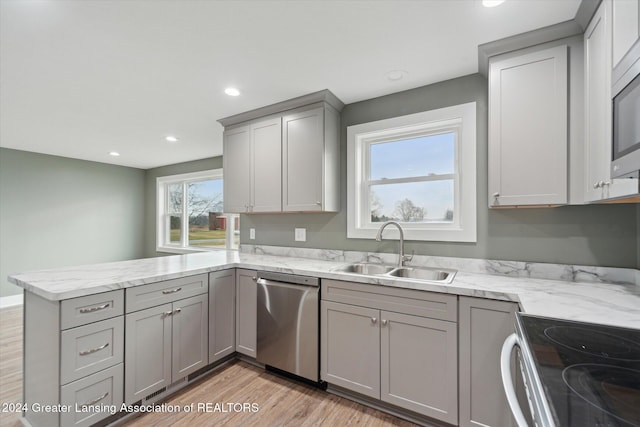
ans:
x=279 y=401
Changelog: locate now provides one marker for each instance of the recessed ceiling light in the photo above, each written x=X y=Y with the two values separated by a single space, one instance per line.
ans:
x=492 y=3
x=395 y=75
x=171 y=138
x=114 y=153
x=232 y=91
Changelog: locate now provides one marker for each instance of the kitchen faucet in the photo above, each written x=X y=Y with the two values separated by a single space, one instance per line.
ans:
x=401 y=256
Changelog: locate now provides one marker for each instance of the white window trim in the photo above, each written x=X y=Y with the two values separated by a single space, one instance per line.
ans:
x=161 y=198
x=464 y=227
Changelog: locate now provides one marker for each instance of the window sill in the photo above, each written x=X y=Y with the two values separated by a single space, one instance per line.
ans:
x=191 y=250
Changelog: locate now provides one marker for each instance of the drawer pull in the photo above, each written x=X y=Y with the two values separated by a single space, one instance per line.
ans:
x=92 y=309
x=177 y=310
x=167 y=313
x=172 y=291
x=94 y=401
x=93 y=350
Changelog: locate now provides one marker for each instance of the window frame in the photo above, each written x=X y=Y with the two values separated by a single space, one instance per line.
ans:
x=461 y=119
x=162 y=211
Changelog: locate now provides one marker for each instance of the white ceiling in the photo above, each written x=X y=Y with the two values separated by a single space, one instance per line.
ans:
x=82 y=78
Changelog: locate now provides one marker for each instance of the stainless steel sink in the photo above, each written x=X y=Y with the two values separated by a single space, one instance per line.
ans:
x=423 y=274
x=428 y=274
x=366 y=268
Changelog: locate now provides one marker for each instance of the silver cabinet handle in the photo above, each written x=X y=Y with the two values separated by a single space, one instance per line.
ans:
x=172 y=291
x=596 y=185
x=94 y=401
x=318 y=203
x=254 y=278
x=496 y=195
x=177 y=310
x=167 y=313
x=374 y=320
x=384 y=322
x=606 y=183
x=93 y=350
x=92 y=309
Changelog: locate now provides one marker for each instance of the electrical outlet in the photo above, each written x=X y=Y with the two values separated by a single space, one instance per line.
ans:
x=252 y=233
x=300 y=234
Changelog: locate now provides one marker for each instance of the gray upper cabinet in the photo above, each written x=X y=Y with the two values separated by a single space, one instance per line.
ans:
x=597 y=67
x=311 y=160
x=222 y=314
x=626 y=27
x=528 y=119
x=237 y=171
x=266 y=167
x=252 y=166
x=284 y=157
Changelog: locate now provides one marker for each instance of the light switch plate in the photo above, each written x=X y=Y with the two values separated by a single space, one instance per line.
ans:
x=252 y=233
x=300 y=235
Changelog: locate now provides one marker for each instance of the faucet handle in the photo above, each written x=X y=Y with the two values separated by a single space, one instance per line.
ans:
x=408 y=258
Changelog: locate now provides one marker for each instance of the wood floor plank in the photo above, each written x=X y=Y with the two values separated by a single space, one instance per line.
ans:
x=280 y=401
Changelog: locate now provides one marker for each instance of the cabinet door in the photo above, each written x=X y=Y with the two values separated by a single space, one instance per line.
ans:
x=484 y=325
x=350 y=347
x=419 y=365
x=246 y=312
x=626 y=27
x=190 y=334
x=266 y=166
x=147 y=352
x=222 y=314
x=528 y=129
x=237 y=173
x=597 y=46
x=303 y=160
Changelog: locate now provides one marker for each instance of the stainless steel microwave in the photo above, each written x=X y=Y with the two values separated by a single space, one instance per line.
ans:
x=626 y=116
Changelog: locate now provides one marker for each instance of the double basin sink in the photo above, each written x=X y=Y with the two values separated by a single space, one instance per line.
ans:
x=423 y=274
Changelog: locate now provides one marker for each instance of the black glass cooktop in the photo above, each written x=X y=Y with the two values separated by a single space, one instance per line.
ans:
x=590 y=373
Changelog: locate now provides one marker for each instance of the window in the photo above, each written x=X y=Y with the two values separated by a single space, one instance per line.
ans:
x=190 y=214
x=418 y=170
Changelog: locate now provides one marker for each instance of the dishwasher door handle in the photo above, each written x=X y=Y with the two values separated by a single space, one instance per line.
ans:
x=507 y=381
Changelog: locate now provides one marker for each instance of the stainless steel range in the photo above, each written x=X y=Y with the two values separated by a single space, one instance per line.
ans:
x=578 y=374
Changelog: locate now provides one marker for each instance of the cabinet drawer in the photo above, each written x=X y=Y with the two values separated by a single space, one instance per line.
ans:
x=92 y=308
x=408 y=301
x=91 y=348
x=92 y=398
x=145 y=296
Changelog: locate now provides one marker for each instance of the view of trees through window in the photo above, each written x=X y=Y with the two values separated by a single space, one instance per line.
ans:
x=412 y=180
x=202 y=203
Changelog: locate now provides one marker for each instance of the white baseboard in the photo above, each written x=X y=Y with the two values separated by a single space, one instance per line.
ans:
x=11 y=301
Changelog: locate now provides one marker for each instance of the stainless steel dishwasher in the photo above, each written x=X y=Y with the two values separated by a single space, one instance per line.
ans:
x=288 y=323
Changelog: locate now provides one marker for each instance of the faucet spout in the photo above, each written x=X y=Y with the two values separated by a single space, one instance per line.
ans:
x=401 y=257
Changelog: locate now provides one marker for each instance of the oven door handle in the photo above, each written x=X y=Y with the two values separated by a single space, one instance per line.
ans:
x=507 y=381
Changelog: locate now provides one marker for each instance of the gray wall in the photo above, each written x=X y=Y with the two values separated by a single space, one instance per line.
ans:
x=604 y=235
x=57 y=211
x=150 y=194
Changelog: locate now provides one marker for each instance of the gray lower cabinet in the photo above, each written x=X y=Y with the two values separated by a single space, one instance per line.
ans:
x=380 y=342
x=73 y=354
x=222 y=314
x=350 y=347
x=246 y=312
x=164 y=343
x=483 y=326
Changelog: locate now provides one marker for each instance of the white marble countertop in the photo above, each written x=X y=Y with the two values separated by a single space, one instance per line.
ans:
x=605 y=303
